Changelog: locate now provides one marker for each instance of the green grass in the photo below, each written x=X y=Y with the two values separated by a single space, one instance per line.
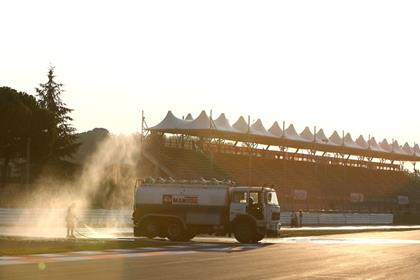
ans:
x=12 y=247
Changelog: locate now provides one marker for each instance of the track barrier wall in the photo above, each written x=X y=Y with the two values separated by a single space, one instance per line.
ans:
x=116 y=218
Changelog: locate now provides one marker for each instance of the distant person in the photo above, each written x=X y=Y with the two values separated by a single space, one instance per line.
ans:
x=250 y=202
x=300 y=218
x=293 y=219
x=251 y=206
x=71 y=220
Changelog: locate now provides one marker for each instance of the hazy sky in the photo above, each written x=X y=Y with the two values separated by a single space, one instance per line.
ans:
x=345 y=65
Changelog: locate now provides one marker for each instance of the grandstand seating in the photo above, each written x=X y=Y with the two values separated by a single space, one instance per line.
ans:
x=188 y=164
x=328 y=185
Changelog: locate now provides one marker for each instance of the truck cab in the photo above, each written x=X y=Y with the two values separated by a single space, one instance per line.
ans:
x=255 y=207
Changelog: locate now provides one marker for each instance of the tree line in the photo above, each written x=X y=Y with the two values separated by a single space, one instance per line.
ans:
x=35 y=128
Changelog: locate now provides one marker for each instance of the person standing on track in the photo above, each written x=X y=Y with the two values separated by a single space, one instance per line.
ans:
x=71 y=220
x=293 y=219
x=300 y=218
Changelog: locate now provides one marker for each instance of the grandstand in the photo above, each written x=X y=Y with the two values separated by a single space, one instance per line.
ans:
x=308 y=169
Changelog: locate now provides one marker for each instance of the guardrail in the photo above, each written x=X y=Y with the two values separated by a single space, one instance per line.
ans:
x=115 y=218
x=317 y=218
x=56 y=217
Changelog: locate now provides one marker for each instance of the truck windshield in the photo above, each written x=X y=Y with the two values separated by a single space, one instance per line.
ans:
x=272 y=198
x=254 y=198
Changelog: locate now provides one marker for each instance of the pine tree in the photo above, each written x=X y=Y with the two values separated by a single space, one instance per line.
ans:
x=61 y=132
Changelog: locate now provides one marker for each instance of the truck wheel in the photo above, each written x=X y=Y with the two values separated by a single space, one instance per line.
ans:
x=189 y=234
x=175 y=231
x=150 y=228
x=258 y=237
x=244 y=232
x=136 y=231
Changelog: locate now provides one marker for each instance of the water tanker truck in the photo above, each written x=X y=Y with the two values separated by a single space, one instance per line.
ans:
x=179 y=210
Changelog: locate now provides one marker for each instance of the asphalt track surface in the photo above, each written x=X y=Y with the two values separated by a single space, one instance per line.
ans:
x=373 y=255
x=127 y=232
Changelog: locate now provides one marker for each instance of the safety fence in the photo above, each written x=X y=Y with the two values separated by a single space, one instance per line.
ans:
x=57 y=217
x=319 y=218
x=117 y=218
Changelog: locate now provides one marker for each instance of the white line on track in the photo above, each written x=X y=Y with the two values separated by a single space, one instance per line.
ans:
x=71 y=259
x=88 y=252
x=178 y=246
x=150 y=248
x=203 y=244
x=120 y=250
x=220 y=249
x=7 y=258
x=320 y=240
x=48 y=255
x=10 y=262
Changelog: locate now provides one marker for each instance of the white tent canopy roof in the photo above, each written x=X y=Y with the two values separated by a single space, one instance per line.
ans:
x=407 y=149
x=170 y=122
x=396 y=148
x=335 y=139
x=348 y=141
x=416 y=149
x=307 y=134
x=203 y=124
x=189 y=117
x=259 y=129
x=385 y=146
x=362 y=142
x=222 y=123
x=374 y=146
x=275 y=130
x=290 y=133
x=241 y=125
x=321 y=138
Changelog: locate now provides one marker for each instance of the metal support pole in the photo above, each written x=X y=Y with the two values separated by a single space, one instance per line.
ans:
x=142 y=127
x=392 y=146
x=249 y=154
x=284 y=124
x=28 y=161
x=141 y=145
